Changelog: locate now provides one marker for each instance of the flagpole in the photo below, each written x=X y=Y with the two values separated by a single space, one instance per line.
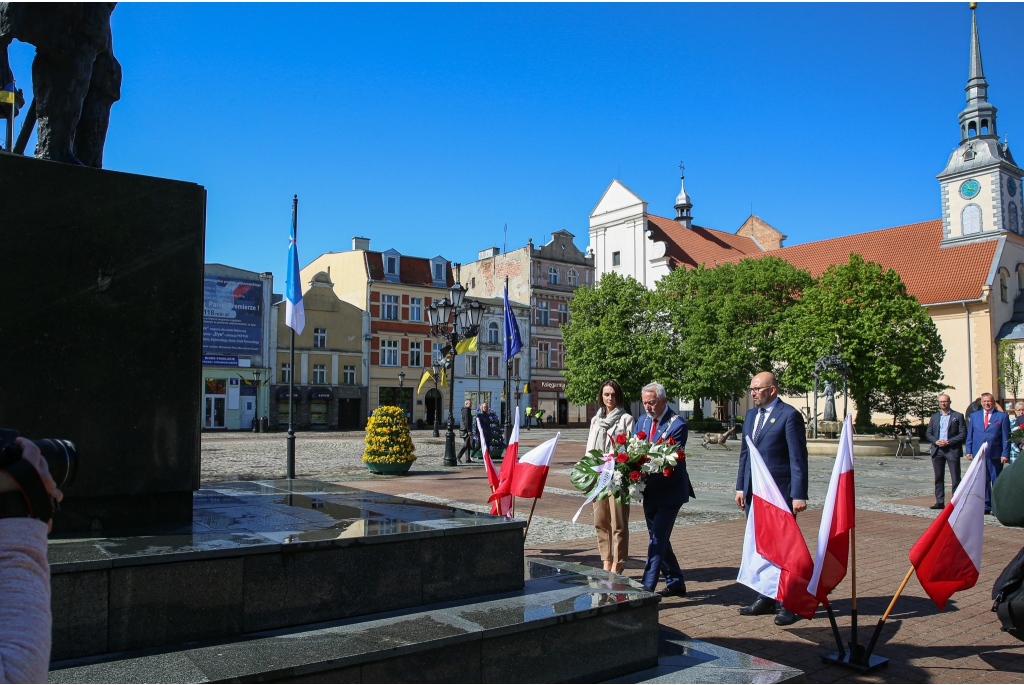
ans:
x=885 y=616
x=291 y=365
x=529 y=518
x=835 y=627
x=854 y=647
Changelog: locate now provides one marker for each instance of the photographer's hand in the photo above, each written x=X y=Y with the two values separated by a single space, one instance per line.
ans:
x=30 y=453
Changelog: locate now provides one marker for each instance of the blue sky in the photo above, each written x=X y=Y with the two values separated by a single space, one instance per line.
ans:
x=427 y=128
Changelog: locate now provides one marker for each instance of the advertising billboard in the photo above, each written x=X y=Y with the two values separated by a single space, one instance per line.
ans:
x=232 y=315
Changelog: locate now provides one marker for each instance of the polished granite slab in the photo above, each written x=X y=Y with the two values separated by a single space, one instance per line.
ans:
x=684 y=660
x=569 y=623
x=252 y=517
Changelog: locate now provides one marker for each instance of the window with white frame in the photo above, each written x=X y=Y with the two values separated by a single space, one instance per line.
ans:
x=320 y=337
x=286 y=373
x=319 y=374
x=392 y=266
x=515 y=366
x=438 y=271
x=471 y=361
x=390 y=309
x=493 y=366
x=437 y=352
x=415 y=354
x=416 y=309
x=563 y=313
x=543 y=355
x=616 y=258
x=543 y=318
x=573 y=278
x=389 y=353
x=493 y=336
x=349 y=375
x=552 y=276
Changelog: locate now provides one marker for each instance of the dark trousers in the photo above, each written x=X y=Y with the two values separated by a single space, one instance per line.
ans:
x=660 y=559
x=939 y=463
x=467 y=448
x=995 y=467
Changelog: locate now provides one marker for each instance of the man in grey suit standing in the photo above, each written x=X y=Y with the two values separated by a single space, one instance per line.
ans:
x=947 y=431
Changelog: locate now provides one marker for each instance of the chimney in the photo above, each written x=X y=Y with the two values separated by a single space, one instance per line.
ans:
x=360 y=243
x=488 y=253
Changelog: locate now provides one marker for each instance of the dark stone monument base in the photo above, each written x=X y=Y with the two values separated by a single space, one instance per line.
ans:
x=101 y=332
x=155 y=511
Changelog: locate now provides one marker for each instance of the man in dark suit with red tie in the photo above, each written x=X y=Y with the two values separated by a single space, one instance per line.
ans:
x=663 y=495
x=992 y=427
x=777 y=431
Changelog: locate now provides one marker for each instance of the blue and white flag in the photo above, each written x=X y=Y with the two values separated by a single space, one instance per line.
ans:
x=513 y=338
x=294 y=314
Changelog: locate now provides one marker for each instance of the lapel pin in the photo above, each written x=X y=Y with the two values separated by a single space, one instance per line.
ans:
x=771 y=420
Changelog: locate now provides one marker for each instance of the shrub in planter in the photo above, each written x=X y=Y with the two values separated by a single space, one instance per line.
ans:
x=388 y=447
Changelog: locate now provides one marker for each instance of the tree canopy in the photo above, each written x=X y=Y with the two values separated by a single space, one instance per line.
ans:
x=610 y=336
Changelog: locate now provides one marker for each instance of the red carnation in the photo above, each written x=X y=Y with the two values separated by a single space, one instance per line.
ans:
x=681 y=454
x=622 y=458
x=671 y=440
x=634 y=475
x=661 y=440
x=642 y=435
x=621 y=438
x=644 y=459
x=668 y=471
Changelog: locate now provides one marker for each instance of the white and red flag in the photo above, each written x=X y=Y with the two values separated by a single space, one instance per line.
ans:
x=530 y=474
x=947 y=557
x=776 y=562
x=503 y=506
x=830 y=562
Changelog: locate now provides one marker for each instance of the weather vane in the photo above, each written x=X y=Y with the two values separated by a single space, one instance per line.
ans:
x=681 y=168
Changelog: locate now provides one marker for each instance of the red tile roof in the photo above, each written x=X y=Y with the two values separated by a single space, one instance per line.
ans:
x=932 y=273
x=699 y=245
x=411 y=270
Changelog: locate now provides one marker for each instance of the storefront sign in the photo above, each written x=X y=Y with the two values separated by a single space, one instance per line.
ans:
x=219 y=360
x=319 y=394
x=547 y=385
x=232 y=315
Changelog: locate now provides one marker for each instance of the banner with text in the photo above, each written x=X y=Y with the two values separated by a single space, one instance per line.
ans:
x=232 y=315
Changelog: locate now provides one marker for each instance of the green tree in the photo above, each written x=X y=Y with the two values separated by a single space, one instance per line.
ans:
x=864 y=314
x=723 y=324
x=1011 y=370
x=918 y=405
x=610 y=335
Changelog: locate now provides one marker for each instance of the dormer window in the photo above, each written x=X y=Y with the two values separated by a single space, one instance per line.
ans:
x=438 y=271
x=393 y=265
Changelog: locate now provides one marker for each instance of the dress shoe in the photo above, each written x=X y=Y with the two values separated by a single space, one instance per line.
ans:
x=937 y=506
x=988 y=512
x=676 y=590
x=785 y=617
x=761 y=606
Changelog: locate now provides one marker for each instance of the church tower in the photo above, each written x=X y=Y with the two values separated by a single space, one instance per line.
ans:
x=981 y=184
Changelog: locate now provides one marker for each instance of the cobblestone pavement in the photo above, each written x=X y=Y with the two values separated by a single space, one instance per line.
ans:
x=963 y=644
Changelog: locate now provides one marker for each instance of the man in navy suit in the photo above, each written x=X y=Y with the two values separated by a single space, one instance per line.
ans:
x=663 y=495
x=992 y=427
x=777 y=431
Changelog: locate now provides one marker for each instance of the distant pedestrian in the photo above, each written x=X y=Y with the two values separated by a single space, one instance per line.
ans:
x=467 y=432
x=611 y=519
x=992 y=427
x=947 y=431
x=1016 y=422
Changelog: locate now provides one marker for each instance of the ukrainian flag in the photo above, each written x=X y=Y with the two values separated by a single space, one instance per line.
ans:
x=7 y=94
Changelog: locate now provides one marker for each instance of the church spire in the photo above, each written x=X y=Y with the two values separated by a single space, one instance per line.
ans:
x=683 y=204
x=978 y=119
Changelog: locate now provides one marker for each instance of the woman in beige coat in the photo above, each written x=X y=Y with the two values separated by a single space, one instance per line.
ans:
x=611 y=519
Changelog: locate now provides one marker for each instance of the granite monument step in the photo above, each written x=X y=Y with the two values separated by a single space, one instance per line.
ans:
x=569 y=623
x=265 y=555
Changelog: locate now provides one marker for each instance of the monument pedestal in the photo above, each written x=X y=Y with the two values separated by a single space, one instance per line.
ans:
x=102 y=334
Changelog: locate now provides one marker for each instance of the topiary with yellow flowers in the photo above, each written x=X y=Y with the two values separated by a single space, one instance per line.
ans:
x=388 y=447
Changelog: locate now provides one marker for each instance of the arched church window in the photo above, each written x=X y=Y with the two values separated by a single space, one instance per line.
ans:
x=970 y=219
x=1014 y=226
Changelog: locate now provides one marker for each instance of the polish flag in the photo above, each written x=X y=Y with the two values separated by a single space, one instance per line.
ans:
x=502 y=507
x=836 y=520
x=947 y=557
x=776 y=562
x=531 y=472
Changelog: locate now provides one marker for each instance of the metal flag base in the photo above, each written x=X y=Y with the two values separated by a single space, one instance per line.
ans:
x=861 y=665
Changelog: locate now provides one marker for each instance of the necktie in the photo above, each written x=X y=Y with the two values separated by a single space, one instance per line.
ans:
x=760 y=423
x=654 y=427
x=986 y=420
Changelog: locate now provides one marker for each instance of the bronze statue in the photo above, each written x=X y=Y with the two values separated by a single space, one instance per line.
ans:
x=75 y=77
x=829 y=393
x=718 y=438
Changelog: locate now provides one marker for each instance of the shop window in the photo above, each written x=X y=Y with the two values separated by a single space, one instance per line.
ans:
x=216 y=386
x=349 y=375
x=319 y=374
x=282 y=412
x=320 y=338
x=318 y=413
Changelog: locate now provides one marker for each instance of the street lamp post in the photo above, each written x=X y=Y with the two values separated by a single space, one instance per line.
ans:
x=453 y=320
x=257 y=426
x=437 y=368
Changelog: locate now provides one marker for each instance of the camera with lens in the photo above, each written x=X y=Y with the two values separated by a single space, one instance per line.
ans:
x=33 y=501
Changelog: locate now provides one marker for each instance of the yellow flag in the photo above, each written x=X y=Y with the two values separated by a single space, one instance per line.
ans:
x=467 y=345
x=444 y=378
x=423 y=380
